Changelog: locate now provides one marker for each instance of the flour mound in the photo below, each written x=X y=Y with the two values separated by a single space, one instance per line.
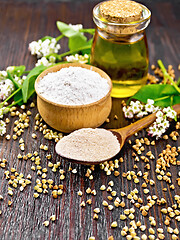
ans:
x=88 y=144
x=73 y=86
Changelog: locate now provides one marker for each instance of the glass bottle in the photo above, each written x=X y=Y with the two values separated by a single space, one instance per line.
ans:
x=120 y=49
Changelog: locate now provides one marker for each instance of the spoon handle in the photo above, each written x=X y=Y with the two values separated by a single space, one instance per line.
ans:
x=142 y=123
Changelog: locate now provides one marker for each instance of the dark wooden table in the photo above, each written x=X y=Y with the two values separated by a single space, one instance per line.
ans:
x=21 y=23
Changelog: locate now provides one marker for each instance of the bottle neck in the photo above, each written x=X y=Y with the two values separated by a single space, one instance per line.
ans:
x=121 y=29
x=123 y=38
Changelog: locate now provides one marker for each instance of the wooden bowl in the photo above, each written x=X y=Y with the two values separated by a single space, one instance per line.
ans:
x=67 y=118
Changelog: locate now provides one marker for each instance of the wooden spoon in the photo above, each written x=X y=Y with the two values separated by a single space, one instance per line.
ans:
x=123 y=133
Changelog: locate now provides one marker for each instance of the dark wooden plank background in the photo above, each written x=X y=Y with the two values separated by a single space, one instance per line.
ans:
x=20 y=23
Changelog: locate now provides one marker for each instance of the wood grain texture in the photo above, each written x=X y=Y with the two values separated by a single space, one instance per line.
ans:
x=20 y=23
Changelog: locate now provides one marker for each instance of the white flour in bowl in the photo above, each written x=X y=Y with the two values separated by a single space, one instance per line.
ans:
x=88 y=144
x=73 y=86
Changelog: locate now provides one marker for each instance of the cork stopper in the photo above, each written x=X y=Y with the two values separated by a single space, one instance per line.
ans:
x=121 y=11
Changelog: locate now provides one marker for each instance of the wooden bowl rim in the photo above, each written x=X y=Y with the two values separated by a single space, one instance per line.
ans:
x=57 y=67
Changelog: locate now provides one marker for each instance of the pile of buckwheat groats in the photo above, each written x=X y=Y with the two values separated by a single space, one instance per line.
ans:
x=160 y=163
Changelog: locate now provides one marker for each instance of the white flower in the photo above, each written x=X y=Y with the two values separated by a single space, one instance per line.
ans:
x=78 y=58
x=6 y=85
x=159 y=126
x=2 y=127
x=19 y=80
x=44 y=48
x=159 y=114
x=1 y=113
x=150 y=101
x=3 y=110
x=159 y=133
x=76 y=27
x=161 y=123
x=156 y=109
x=6 y=88
x=52 y=59
x=167 y=109
x=35 y=47
x=165 y=124
x=124 y=109
x=127 y=112
x=136 y=107
x=45 y=62
x=159 y=120
x=141 y=114
x=170 y=112
x=49 y=46
x=3 y=74
x=149 y=107
x=10 y=68
x=152 y=129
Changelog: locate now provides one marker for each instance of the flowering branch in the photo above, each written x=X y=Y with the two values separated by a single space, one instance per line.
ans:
x=75 y=51
x=14 y=83
x=7 y=99
x=136 y=109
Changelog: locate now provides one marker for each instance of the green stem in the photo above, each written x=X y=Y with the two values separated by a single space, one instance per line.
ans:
x=159 y=99
x=11 y=95
x=59 y=37
x=167 y=75
x=88 y=30
x=74 y=51
x=14 y=103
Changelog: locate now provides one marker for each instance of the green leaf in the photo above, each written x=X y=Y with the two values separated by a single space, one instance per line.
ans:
x=46 y=37
x=178 y=81
x=31 y=86
x=176 y=100
x=77 y=41
x=76 y=38
x=88 y=30
x=168 y=89
x=18 y=97
x=163 y=95
x=28 y=84
x=65 y=29
x=88 y=50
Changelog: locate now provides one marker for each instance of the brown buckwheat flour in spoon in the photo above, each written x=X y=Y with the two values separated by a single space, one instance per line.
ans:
x=88 y=144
